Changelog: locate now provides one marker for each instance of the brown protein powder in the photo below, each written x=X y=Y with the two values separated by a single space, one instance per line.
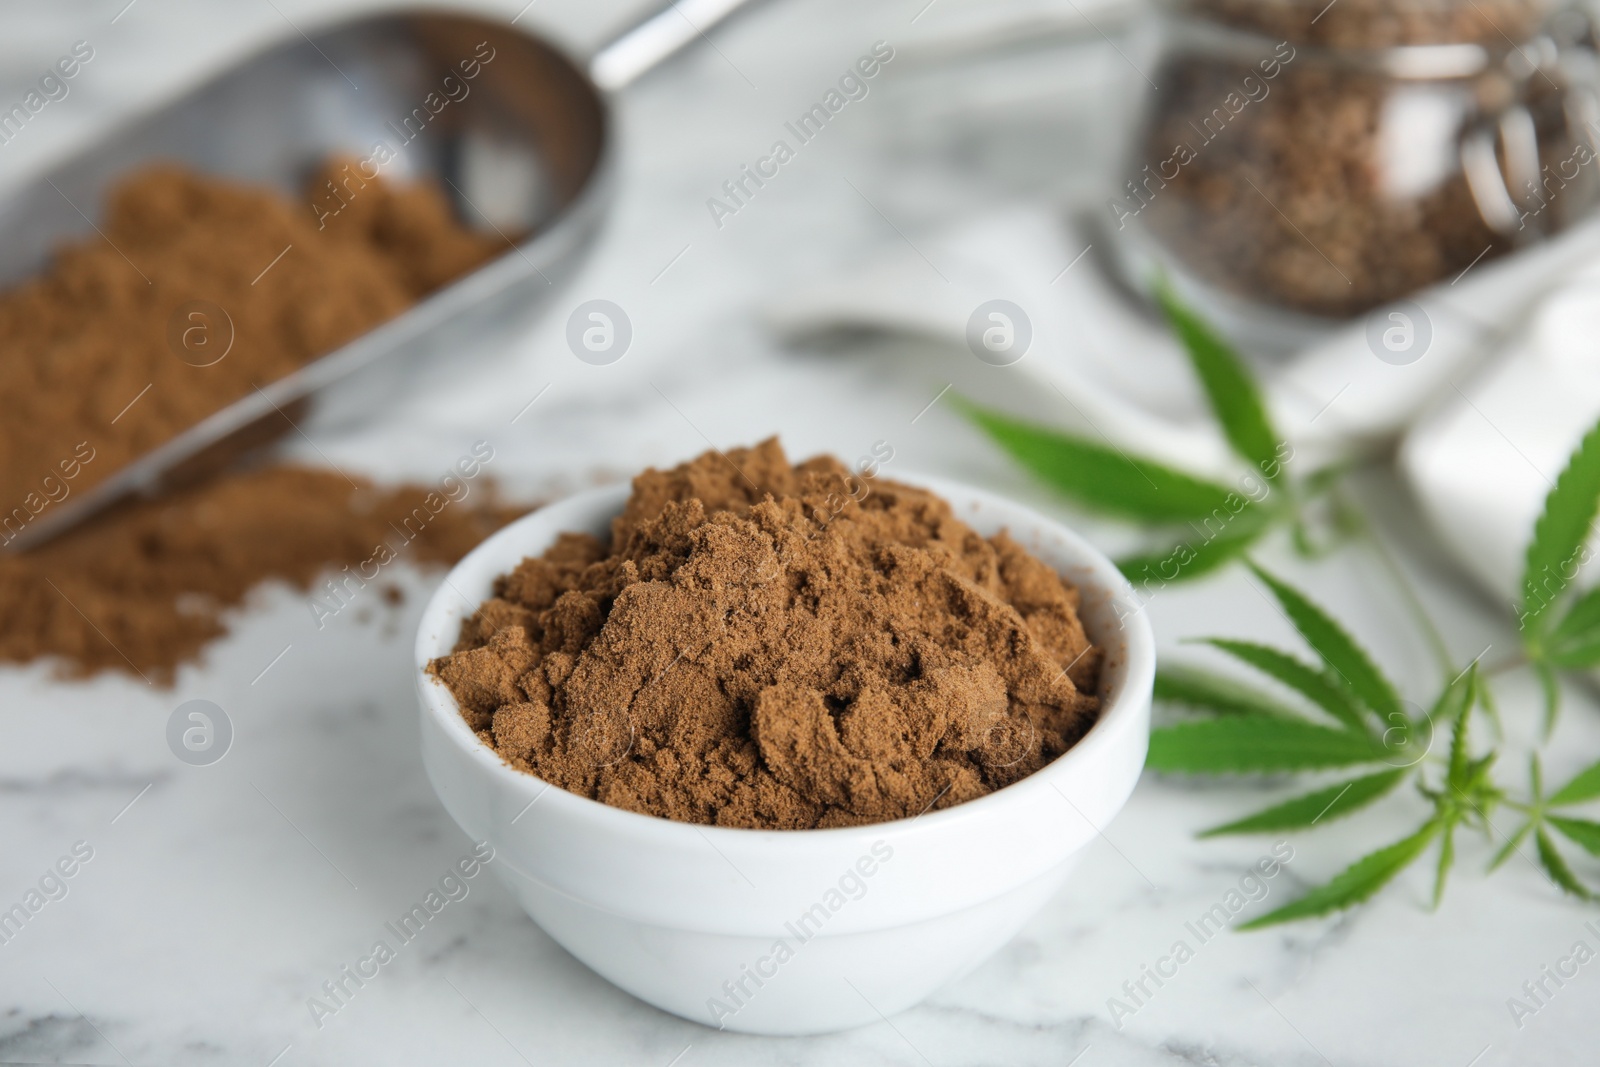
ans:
x=756 y=648
x=90 y=378
x=97 y=355
x=1289 y=159
x=143 y=588
x=1369 y=24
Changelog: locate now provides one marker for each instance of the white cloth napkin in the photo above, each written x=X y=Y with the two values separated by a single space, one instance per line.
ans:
x=1483 y=461
x=1103 y=365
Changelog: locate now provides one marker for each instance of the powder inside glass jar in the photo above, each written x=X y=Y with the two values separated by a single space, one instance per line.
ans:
x=1331 y=161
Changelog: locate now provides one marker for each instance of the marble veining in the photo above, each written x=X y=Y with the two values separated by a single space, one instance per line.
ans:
x=220 y=897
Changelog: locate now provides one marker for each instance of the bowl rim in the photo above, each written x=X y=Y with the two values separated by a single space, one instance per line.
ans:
x=1121 y=711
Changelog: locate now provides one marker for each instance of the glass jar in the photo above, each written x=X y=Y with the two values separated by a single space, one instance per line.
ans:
x=1325 y=160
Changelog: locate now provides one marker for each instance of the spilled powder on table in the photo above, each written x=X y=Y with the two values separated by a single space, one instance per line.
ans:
x=747 y=653
x=144 y=587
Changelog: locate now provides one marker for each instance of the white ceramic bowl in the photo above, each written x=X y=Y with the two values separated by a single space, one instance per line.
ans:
x=790 y=932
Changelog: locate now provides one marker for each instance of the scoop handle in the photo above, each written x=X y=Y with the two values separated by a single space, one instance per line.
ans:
x=655 y=37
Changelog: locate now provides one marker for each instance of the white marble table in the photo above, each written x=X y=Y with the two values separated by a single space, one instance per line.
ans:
x=218 y=898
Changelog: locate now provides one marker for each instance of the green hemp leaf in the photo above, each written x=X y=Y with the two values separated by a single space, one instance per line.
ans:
x=1334 y=716
x=1207 y=523
x=1558 y=548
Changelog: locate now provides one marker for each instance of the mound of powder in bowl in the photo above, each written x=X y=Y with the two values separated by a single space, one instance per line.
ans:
x=757 y=648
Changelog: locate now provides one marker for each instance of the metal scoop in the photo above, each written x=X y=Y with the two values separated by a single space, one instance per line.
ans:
x=528 y=151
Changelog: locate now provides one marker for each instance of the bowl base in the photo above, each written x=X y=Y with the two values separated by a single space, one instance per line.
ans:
x=795 y=980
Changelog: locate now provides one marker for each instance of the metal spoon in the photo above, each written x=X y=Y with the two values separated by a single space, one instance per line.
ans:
x=527 y=151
